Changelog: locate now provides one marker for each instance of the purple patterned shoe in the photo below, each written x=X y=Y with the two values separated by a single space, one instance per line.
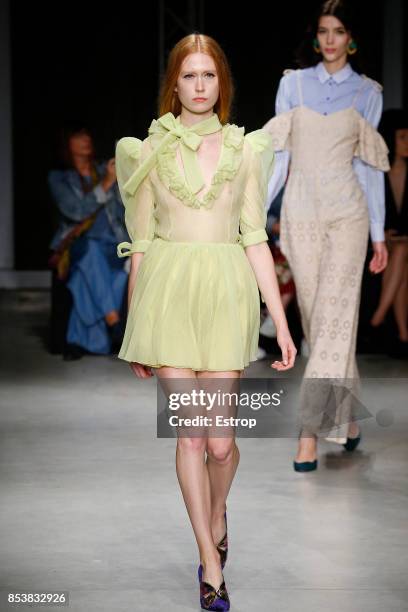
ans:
x=222 y=546
x=213 y=599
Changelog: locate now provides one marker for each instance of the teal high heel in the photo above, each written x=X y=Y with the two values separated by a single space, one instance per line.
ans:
x=352 y=443
x=304 y=466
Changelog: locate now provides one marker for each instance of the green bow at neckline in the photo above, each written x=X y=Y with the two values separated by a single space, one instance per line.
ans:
x=190 y=140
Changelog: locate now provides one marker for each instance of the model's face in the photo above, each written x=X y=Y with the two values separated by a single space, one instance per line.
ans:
x=81 y=144
x=333 y=38
x=197 y=85
x=401 y=143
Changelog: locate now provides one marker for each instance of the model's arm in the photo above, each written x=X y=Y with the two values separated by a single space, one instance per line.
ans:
x=135 y=262
x=140 y=370
x=139 y=205
x=259 y=158
x=279 y=176
x=372 y=182
x=261 y=260
x=282 y=158
x=139 y=218
x=371 y=179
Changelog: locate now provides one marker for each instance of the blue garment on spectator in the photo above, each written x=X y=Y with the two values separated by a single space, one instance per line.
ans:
x=74 y=205
x=97 y=278
x=97 y=282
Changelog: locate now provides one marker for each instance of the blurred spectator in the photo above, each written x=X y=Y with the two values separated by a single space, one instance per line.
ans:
x=91 y=223
x=394 y=290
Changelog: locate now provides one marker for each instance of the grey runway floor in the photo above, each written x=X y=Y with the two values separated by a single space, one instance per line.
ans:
x=90 y=501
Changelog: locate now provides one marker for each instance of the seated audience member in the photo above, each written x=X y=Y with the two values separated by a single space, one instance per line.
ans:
x=394 y=289
x=91 y=224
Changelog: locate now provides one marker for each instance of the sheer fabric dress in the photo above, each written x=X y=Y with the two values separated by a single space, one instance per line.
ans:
x=196 y=302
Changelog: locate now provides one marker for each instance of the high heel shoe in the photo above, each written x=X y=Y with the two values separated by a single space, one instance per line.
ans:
x=222 y=545
x=352 y=443
x=304 y=466
x=213 y=599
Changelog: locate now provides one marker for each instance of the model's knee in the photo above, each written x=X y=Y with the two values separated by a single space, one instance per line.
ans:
x=221 y=450
x=192 y=445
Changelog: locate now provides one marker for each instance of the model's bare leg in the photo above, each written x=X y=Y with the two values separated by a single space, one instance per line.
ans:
x=401 y=305
x=307 y=447
x=222 y=462
x=192 y=474
x=392 y=277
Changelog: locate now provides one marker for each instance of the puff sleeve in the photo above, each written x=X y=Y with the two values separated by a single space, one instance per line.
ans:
x=259 y=154
x=370 y=162
x=139 y=207
x=279 y=127
x=371 y=147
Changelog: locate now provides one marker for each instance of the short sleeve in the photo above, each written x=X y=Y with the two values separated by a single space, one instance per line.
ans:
x=279 y=128
x=259 y=156
x=371 y=147
x=374 y=105
x=139 y=207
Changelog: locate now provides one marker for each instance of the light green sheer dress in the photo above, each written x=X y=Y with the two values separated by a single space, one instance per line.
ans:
x=196 y=302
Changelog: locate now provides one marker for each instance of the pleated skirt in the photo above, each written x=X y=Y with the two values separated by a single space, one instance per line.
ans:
x=195 y=305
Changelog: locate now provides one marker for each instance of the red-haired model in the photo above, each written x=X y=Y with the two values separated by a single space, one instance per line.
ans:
x=194 y=193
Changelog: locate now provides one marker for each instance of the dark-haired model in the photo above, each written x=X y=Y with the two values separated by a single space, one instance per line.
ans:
x=194 y=193
x=326 y=120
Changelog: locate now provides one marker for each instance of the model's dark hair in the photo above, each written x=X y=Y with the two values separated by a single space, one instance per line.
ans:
x=392 y=120
x=305 y=55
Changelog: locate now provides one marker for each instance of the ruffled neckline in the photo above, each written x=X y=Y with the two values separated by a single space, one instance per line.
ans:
x=227 y=167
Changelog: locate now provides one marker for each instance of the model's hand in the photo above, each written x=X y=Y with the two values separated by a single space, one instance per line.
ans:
x=141 y=370
x=288 y=349
x=379 y=260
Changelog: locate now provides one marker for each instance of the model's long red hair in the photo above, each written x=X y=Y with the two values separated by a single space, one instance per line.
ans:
x=196 y=43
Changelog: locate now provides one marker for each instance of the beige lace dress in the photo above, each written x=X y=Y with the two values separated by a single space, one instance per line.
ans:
x=324 y=234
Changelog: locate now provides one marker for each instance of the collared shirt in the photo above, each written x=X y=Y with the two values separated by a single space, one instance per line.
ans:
x=328 y=93
x=338 y=77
